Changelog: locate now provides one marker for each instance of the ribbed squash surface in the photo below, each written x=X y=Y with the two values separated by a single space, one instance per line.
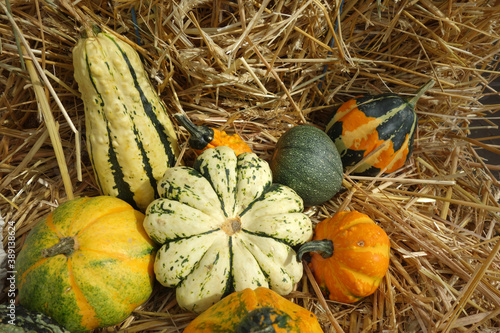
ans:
x=107 y=274
x=224 y=227
x=360 y=256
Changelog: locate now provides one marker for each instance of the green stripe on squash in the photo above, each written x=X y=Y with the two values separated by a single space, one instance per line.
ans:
x=375 y=134
x=130 y=138
x=224 y=227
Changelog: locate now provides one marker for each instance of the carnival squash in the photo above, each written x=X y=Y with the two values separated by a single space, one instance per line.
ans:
x=375 y=134
x=88 y=264
x=259 y=310
x=130 y=138
x=203 y=137
x=224 y=227
x=350 y=256
x=18 y=319
x=306 y=160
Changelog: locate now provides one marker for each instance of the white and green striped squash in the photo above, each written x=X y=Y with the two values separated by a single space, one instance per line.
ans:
x=225 y=227
x=130 y=138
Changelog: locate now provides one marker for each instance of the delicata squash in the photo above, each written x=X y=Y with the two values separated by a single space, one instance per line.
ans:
x=225 y=227
x=130 y=138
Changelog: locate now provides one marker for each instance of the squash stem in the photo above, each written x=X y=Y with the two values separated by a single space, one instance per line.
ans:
x=420 y=92
x=201 y=136
x=322 y=247
x=87 y=32
x=65 y=246
x=96 y=29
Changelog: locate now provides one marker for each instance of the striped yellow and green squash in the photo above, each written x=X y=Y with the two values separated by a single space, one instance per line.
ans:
x=225 y=227
x=130 y=138
x=375 y=133
x=258 y=310
x=88 y=264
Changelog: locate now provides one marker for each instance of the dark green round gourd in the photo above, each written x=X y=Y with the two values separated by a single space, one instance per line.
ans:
x=306 y=160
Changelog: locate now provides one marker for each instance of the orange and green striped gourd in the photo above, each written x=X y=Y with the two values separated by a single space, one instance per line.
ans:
x=375 y=134
x=88 y=264
x=349 y=256
x=255 y=310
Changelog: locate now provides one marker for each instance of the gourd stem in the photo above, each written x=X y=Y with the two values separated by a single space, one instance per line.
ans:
x=96 y=29
x=420 y=92
x=87 y=32
x=201 y=136
x=322 y=247
x=65 y=246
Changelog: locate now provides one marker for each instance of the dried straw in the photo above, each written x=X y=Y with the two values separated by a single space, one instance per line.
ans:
x=257 y=68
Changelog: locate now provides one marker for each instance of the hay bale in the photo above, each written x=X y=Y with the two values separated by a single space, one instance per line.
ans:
x=257 y=68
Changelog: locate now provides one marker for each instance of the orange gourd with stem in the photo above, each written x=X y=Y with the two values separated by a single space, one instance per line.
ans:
x=350 y=256
x=203 y=137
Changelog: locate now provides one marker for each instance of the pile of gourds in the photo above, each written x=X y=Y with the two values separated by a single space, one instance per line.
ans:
x=229 y=232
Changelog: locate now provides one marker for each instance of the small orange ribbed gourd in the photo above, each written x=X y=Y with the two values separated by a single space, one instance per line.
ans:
x=350 y=256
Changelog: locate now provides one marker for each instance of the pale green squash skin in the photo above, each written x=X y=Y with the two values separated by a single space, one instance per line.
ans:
x=130 y=138
x=106 y=276
x=225 y=227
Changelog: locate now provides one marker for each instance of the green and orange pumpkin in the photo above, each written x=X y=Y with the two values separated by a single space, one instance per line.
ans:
x=349 y=256
x=375 y=134
x=88 y=264
x=258 y=310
